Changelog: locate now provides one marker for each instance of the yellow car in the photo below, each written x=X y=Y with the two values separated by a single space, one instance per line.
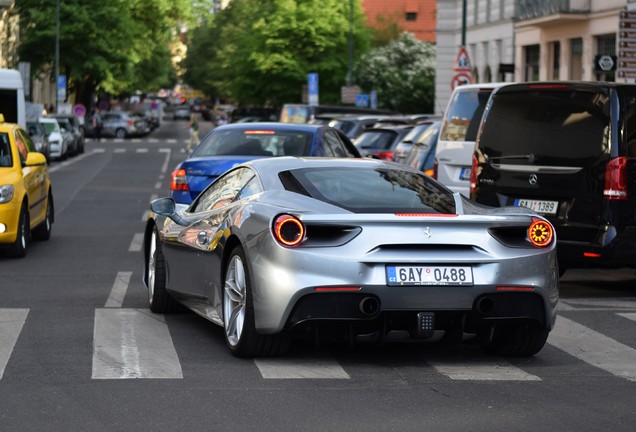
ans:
x=26 y=199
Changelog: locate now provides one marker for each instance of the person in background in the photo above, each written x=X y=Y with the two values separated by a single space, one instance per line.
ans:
x=194 y=134
x=97 y=124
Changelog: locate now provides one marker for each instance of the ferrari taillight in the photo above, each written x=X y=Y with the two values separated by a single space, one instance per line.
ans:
x=288 y=230
x=540 y=233
x=179 y=181
x=616 y=179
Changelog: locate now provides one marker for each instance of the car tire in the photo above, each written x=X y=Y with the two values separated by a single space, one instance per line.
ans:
x=121 y=133
x=43 y=231
x=159 y=300
x=241 y=336
x=19 y=248
x=521 y=341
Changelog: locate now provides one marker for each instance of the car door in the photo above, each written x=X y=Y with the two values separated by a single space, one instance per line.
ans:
x=192 y=252
x=33 y=176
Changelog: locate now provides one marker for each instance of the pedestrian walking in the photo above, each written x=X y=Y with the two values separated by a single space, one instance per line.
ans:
x=97 y=124
x=194 y=134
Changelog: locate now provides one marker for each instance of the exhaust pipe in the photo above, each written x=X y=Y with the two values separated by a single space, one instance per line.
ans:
x=485 y=305
x=369 y=306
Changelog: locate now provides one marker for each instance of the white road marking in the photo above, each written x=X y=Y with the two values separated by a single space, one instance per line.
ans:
x=171 y=140
x=118 y=292
x=631 y=316
x=295 y=368
x=594 y=348
x=601 y=304
x=72 y=161
x=99 y=150
x=136 y=140
x=141 y=150
x=119 y=150
x=166 y=162
x=136 y=243
x=11 y=323
x=486 y=369
x=158 y=185
x=153 y=140
x=133 y=343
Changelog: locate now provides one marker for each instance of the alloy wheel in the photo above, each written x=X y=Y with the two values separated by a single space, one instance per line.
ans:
x=234 y=300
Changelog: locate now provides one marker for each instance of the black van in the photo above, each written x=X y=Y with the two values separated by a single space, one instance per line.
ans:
x=568 y=151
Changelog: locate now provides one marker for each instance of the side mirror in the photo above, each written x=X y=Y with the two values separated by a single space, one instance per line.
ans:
x=167 y=207
x=163 y=206
x=34 y=159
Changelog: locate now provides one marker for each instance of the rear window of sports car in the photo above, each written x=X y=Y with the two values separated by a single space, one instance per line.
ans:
x=379 y=190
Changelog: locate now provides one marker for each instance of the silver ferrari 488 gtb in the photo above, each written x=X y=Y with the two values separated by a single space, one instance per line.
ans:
x=352 y=249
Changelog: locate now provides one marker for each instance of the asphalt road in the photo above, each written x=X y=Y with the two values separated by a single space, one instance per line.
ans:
x=79 y=350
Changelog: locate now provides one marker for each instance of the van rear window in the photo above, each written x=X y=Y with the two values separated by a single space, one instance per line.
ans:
x=461 y=122
x=564 y=128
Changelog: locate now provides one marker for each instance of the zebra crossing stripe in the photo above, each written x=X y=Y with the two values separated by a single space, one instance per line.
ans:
x=630 y=315
x=133 y=343
x=303 y=368
x=136 y=243
x=594 y=348
x=11 y=323
x=477 y=369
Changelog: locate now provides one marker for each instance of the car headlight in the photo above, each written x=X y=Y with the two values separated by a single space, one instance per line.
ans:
x=6 y=193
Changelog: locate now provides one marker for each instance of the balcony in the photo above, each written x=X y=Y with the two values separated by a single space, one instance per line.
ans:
x=532 y=9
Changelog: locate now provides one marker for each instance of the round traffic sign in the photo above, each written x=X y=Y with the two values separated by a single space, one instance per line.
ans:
x=460 y=79
x=79 y=110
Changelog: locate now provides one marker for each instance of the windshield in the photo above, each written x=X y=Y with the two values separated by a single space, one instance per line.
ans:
x=256 y=143
x=295 y=114
x=50 y=127
x=379 y=190
x=5 y=151
x=568 y=128
x=377 y=140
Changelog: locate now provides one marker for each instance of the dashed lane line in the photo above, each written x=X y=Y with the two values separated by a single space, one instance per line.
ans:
x=11 y=323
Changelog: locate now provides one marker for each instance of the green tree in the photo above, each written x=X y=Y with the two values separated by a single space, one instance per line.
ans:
x=402 y=73
x=264 y=49
x=111 y=46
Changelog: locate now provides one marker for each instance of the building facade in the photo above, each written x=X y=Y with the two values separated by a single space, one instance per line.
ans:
x=415 y=16
x=527 y=40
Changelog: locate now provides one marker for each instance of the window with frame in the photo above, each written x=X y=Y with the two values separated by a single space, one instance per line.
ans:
x=6 y=160
x=223 y=191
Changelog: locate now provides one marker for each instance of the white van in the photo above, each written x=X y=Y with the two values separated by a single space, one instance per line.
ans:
x=12 y=104
x=456 y=142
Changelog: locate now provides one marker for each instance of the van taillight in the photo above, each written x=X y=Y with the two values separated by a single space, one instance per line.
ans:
x=616 y=179
x=473 y=175
x=435 y=167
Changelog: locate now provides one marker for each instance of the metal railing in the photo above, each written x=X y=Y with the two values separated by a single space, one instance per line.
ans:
x=529 y=9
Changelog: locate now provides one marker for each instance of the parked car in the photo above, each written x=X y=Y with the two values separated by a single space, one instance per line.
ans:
x=381 y=142
x=68 y=135
x=303 y=113
x=359 y=249
x=76 y=128
x=181 y=113
x=354 y=124
x=58 y=144
x=565 y=150
x=403 y=148
x=235 y=143
x=122 y=125
x=39 y=138
x=26 y=197
x=421 y=156
x=459 y=131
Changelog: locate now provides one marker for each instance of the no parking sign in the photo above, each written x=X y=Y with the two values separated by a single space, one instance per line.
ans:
x=460 y=79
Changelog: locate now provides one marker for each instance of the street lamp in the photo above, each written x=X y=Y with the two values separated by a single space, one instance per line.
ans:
x=57 y=51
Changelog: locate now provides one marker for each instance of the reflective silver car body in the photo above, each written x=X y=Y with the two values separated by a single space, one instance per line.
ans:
x=281 y=276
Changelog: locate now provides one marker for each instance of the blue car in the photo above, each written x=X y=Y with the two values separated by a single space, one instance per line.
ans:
x=232 y=144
